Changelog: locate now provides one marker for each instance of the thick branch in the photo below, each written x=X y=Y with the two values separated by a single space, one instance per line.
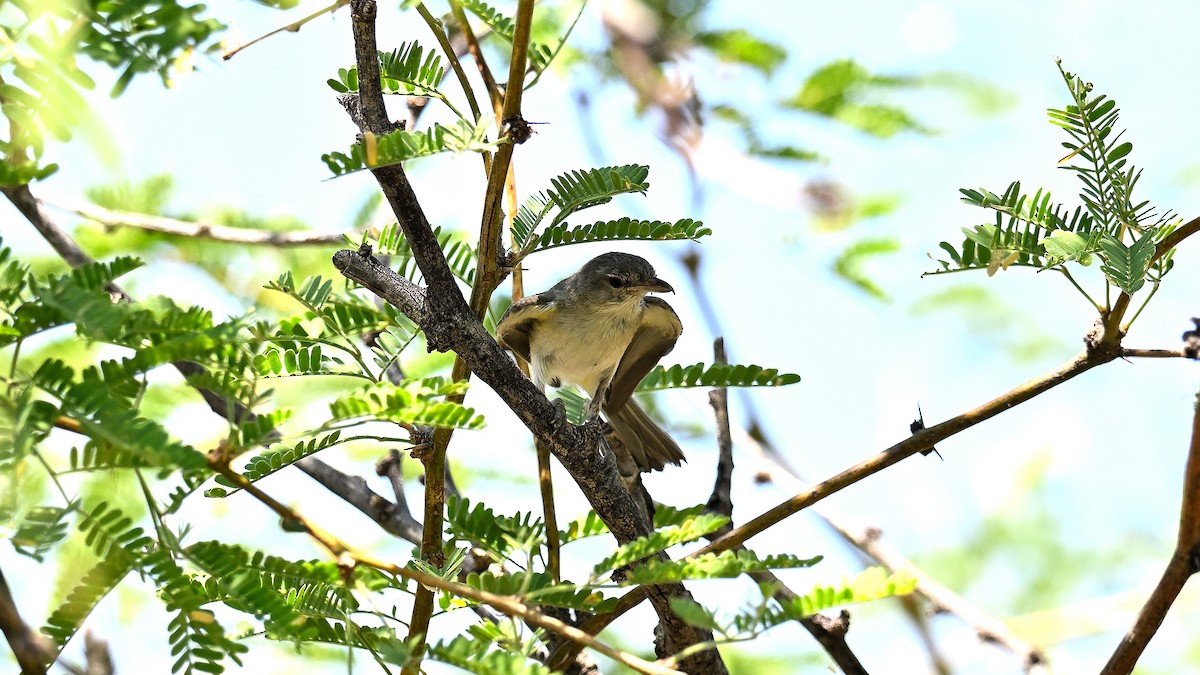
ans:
x=455 y=326
x=393 y=518
x=575 y=447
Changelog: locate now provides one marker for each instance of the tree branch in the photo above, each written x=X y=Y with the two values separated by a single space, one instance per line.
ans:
x=869 y=540
x=199 y=229
x=33 y=650
x=575 y=447
x=456 y=327
x=1185 y=562
x=293 y=27
x=921 y=440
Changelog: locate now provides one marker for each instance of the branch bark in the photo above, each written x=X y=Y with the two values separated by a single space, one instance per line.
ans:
x=1185 y=562
x=455 y=326
x=33 y=650
x=197 y=229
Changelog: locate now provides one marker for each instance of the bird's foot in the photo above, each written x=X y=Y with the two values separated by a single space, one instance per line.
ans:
x=560 y=413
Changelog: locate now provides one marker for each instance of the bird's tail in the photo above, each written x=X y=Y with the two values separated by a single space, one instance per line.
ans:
x=650 y=446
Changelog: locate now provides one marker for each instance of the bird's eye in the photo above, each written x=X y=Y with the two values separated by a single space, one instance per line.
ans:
x=615 y=281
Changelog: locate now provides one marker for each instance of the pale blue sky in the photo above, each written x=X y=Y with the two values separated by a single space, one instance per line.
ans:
x=250 y=132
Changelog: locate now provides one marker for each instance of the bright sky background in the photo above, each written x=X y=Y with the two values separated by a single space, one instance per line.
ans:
x=249 y=133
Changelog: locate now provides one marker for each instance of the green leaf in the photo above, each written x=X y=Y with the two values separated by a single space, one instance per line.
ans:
x=623 y=229
x=1126 y=266
x=689 y=530
x=400 y=146
x=841 y=90
x=694 y=614
x=475 y=656
x=407 y=70
x=715 y=375
x=273 y=460
x=410 y=402
x=459 y=254
x=848 y=264
x=1062 y=246
x=574 y=191
x=503 y=26
x=724 y=565
x=499 y=535
x=539 y=588
x=581 y=528
x=873 y=583
x=741 y=46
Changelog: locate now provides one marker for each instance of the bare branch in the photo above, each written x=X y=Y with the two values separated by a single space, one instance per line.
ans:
x=293 y=27
x=870 y=541
x=33 y=650
x=199 y=229
x=922 y=440
x=720 y=501
x=1185 y=562
x=99 y=660
x=395 y=519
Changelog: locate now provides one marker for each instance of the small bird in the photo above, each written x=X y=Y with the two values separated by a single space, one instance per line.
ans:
x=596 y=329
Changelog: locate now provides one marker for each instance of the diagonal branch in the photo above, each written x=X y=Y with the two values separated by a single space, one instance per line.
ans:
x=1184 y=563
x=870 y=541
x=32 y=649
x=293 y=27
x=575 y=447
x=921 y=440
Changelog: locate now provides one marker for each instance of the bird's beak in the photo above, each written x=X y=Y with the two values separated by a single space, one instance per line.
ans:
x=656 y=285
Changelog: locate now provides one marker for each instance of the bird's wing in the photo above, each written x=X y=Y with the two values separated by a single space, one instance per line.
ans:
x=655 y=337
x=514 y=328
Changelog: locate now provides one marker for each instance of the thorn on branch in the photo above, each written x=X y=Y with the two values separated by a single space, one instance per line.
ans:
x=1191 y=341
x=919 y=425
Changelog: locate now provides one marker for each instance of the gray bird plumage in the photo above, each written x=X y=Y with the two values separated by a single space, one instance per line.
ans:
x=598 y=330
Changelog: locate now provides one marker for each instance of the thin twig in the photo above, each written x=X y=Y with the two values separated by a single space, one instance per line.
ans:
x=1154 y=353
x=200 y=229
x=435 y=26
x=485 y=72
x=721 y=501
x=96 y=652
x=292 y=27
x=870 y=541
x=546 y=489
x=1185 y=562
x=829 y=633
x=922 y=440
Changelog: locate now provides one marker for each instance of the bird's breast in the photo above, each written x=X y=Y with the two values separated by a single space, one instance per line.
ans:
x=582 y=348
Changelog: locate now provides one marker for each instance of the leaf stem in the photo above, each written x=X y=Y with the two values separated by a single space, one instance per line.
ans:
x=1066 y=273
